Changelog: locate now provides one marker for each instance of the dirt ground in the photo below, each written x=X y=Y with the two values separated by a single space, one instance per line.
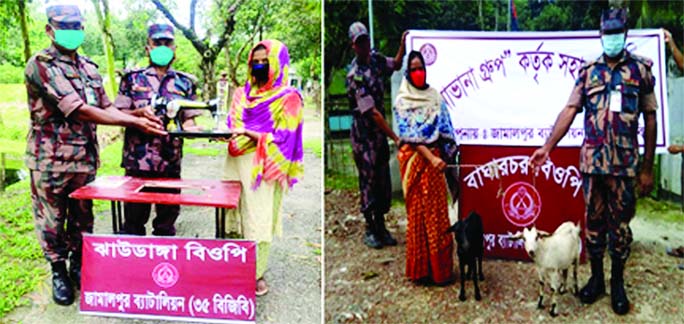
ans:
x=364 y=285
x=294 y=271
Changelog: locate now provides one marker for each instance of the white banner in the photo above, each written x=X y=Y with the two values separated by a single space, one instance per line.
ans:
x=507 y=88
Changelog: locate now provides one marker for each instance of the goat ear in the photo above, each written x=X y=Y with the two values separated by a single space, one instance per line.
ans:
x=543 y=233
x=517 y=236
x=452 y=228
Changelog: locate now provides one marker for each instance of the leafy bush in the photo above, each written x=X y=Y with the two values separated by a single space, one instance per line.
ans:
x=11 y=74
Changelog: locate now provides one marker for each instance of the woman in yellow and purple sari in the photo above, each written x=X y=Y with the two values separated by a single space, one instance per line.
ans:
x=427 y=145
x=265 y=152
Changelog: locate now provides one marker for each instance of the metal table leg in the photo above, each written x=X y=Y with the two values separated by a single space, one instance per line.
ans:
x=223 y=223
x=217 y=223
x=119 y=216
x=114 y=218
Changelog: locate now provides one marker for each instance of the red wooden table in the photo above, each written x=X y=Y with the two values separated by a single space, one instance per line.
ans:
x=210 y=193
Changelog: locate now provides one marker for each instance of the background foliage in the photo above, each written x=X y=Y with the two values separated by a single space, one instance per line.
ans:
x=393 y=17
x=129 y=34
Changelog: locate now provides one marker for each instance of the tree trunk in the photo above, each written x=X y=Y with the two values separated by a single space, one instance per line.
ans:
x=479 y=14
x=24 y=30
x=104 y=19
x=208 y=66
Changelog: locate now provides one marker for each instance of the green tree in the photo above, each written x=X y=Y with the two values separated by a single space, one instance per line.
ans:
x=208 y=49
x=9 y=11
x=103 y=18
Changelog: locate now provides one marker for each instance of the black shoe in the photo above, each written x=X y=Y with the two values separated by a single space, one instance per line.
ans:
x=618 y=296
x=382 y=232
x=371 y=240
x=62 y=291
x=75 y=268
x=596 y=286
x=387 y=239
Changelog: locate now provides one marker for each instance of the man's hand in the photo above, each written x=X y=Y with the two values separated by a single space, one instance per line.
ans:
x=146 y=112
x=397 y=141
x=675 y=149
x=668 y=36
x=538 y=158
x=403 y=39
x=437 y=163
x=149 y=126
x=645 y=182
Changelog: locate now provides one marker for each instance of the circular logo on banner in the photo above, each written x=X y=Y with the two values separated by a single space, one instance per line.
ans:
x=165 y=275
x=429 y=53
x=521 y=204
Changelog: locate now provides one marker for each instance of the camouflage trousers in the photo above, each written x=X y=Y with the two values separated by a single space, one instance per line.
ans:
x=375 y=186
x=136 y=215
x=610 y=206
x=60 y=220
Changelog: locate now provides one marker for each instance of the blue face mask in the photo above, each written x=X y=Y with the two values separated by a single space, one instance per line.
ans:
x=613 y=44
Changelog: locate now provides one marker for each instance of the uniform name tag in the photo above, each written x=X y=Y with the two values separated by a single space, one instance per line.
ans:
x=91 y=97
x=615 y=101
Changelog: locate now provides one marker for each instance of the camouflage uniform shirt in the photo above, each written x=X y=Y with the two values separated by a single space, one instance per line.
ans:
x=365 y=90
x=57 y=86
x=610 y=138
x=143 y=152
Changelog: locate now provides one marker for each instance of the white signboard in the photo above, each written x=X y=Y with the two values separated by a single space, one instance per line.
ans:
x=507 y=88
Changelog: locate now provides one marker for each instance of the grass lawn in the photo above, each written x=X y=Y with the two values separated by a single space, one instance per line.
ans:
x=314 y=145
x=22 y=266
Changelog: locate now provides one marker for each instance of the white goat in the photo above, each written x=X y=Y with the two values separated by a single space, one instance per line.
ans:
x=553 y=255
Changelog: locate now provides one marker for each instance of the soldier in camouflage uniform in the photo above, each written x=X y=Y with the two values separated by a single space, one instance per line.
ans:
x=147 y=156
x=612 y=91
x=369 y=132
x=66 y=99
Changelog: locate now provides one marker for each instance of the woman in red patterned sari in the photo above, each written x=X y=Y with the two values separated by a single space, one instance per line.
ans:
x=427 y=145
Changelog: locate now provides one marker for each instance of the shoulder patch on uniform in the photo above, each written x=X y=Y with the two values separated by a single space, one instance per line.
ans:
x=188 y=75
x=44 y=57
x=87 y=59
x=642 y=59
x=587 y=64
x=128 y=72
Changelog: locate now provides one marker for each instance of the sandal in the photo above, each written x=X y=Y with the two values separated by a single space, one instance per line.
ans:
x=261 y=287
x=677 y=253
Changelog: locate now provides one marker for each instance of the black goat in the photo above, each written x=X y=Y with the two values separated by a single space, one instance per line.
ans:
x=468 y=233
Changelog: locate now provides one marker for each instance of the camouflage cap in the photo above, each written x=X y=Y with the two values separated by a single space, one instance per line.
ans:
x=64 y=16
x=160 y=30
x=357 y=29
x=614 y=19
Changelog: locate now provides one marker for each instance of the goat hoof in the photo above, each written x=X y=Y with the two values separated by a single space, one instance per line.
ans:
x=539 y=304
x=478 y=297
x=553 y=312
x=462 y=297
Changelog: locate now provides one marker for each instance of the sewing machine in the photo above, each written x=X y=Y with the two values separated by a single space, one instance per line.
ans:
x=169 y=111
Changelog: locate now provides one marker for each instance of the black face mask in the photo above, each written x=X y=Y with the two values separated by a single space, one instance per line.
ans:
x=260 y=72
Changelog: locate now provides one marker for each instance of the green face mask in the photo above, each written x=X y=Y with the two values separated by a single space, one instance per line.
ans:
x=161 y=55
x=69 y=38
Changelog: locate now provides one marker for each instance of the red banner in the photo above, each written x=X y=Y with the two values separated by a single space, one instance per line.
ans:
x=497 y=183
x=170 y=278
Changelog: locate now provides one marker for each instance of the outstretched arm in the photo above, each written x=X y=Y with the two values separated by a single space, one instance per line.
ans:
x=560 y=128
x=400 y=52
x=380 y=121
x=113 y=116
x=676 y=53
